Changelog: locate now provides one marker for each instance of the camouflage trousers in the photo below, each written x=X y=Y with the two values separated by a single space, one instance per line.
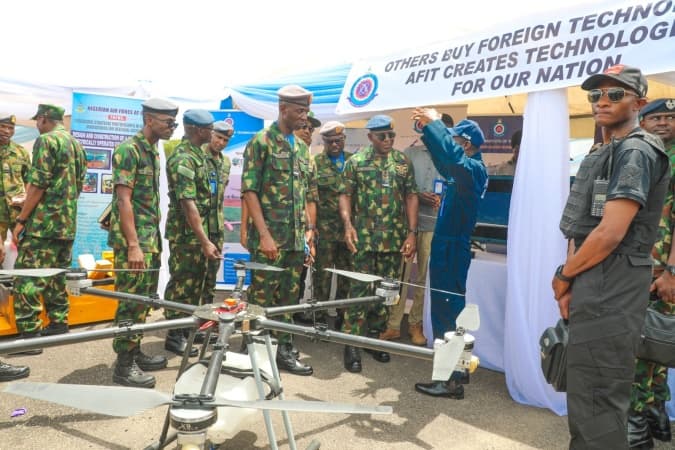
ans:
x=277 y=288
x=188 y=268
x=37 y=252
x=328 y=255
x=651 y=379
x=211 y=276
x=370 y=318
x=141 y=283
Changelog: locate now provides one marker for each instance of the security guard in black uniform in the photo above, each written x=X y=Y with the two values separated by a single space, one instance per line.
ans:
x=611 y=219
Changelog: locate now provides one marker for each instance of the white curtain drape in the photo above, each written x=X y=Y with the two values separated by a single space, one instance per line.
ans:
x=535 y=245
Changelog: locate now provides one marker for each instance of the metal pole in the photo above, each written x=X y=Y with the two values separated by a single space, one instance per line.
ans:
x=217 y=357
x=284 y=414
x=271 y=436
x=311 y=306
x=145 y=300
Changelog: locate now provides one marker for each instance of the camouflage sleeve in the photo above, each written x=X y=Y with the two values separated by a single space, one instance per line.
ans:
x=348 y=181
x=125 y=165
x=183 y=173
x=24 y=159
x=252 y=171
x=312 y=185
x=410 y=183
x=81 y=164
x=40 y=173
x=227 y=167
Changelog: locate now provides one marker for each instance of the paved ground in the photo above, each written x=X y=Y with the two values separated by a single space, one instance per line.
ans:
x=486 y=419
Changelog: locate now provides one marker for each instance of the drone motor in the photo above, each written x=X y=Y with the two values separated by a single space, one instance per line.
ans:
x=388 y=289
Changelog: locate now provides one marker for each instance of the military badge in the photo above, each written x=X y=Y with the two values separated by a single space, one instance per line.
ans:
x=402 y=169
x=670 y=103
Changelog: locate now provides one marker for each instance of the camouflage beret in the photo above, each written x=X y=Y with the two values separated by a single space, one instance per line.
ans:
x=295 y=94
x=7 y=118
x=159 y=106
x=223 y=127
x=660 y=105
x=49 y=111
x=332 y=128
x=313 y=121
x=198 y=117
x=380 y=123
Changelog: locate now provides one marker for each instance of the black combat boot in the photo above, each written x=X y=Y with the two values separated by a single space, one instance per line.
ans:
x=638 y=431
x=149 y=363
x=127 y=372
x=28 y=335
x=175 y=342
x=287 y=361
x=449 y=389
x=657 y=418
x=9 y=372
x=352 y=359
x=55 y=328
x=378 y=355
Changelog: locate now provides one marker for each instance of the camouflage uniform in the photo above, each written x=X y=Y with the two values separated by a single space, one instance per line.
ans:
x=59 y=167
x=651 y=383
x=219 y=173
x=281 y=176
x=378 y=188
x=188 y=176
x=15 y=164
x=136 y=165
x=331 y=249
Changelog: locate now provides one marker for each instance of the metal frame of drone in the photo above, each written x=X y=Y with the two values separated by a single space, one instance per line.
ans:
x=250 y=320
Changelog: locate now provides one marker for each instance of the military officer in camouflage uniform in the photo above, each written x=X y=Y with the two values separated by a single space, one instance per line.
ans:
x=219 y=167
x=45 y=228
x=135 y=236
x=14 y=161
x=276 y=186
x=650 y=391
x=188 y=221
x=378 y=206
x=331 y=248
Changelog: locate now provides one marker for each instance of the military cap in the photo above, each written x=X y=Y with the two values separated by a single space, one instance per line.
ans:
x=313 y=121
x=629 y=76
x=332 y=128
x=380 y=123
x=223 y=127
x=469 y=130
x=49 y=111
x=198 y=118
x=159 y=106
x=295 y=94
x=661 y=105
x=7 y=118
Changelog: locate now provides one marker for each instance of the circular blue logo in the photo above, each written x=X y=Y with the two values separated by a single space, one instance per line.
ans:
x=364 y=90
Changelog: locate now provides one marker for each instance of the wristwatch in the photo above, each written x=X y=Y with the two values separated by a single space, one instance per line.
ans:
x=670 y=270
x=21 y=221
x=413 y=231
x=310 y=227
x=559 y=275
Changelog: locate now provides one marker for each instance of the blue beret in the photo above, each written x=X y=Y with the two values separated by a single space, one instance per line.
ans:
x=469 y=130
x=380 y=123
x=159 y=106
x=223 y=127
x=197 y=117
x=658 y=106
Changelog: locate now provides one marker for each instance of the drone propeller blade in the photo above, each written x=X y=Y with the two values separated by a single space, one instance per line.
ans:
x=446 y=357
x=121 y=270
x=109 y=400
x=306 y=406
x=33 y=272
x=469 y=318
x=365 y=277
x=255 y=266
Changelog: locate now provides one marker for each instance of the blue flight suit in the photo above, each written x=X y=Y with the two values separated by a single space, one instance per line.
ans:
x=466 y=182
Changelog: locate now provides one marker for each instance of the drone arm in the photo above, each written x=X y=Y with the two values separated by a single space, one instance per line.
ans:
x=142 y=299
x=319 y=306
x=213 y=371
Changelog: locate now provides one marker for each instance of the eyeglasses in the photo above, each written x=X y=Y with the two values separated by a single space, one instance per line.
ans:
x=659 y=117
x=171 y=123
x=383 y=136
x=336 y=140
x=614 y=94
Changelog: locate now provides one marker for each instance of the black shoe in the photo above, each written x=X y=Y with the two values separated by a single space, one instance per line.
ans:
x=55 y=328
x=352 y=359
x=461 y=376
x=288 y=362
x=447 y=389
x=175 y=342
x=659 y=423
x=36 y=351
x=378 y=355
x=127 y=372
x=149 y=363
x=638 y=431
x=9 y=372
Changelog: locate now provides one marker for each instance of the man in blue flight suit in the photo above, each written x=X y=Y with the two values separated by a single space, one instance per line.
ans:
x=456 y=155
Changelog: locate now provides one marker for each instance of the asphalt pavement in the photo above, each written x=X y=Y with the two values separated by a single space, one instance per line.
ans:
x=487 y=418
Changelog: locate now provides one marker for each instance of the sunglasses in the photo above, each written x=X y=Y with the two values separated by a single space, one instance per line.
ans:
x=383 y=136
x=614 y=94
x=168 y=122
x=331 y=141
